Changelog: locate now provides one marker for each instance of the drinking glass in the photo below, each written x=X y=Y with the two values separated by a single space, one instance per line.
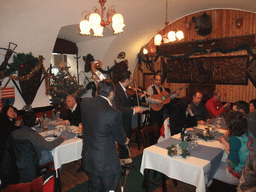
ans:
x=194 y=139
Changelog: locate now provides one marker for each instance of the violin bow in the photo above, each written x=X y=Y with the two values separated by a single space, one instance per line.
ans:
x=136 y=91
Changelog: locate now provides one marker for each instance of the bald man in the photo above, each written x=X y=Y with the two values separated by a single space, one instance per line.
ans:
x=73 y=116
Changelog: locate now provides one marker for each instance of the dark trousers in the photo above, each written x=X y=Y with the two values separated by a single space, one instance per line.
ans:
x=123 y=152
x=104 y=183
x=157 y=117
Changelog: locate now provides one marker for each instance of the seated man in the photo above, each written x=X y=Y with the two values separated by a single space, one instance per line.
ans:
x=214 y=105
x=199 y=110
x=42 y=146
x=73 y=116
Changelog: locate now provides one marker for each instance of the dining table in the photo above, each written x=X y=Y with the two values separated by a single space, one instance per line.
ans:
x=68 y=151
x=197 y=169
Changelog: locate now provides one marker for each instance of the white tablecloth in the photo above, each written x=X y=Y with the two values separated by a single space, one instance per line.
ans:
x=192 y=170
x=68 y=151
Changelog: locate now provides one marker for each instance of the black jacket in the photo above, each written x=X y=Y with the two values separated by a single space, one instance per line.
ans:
x=102 y=127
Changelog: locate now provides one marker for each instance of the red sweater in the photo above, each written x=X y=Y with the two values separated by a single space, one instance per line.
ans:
x=214 y=108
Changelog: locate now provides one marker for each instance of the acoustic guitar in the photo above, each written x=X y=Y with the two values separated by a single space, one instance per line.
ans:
x=164 y=96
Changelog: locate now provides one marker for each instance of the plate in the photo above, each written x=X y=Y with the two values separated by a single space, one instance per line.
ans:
x=58 y=123
x=49 y=138
x=59 y=126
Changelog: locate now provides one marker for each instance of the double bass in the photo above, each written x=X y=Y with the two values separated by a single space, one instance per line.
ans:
x=97 y=64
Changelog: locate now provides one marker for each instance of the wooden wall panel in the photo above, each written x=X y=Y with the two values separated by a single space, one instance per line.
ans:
x=224 y=25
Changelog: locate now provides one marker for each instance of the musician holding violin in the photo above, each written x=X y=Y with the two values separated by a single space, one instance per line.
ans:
x=122 y=102
x=157 y=99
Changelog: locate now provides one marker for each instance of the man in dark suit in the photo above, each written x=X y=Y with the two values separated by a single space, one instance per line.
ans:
x=122 y=103
x=102 y=128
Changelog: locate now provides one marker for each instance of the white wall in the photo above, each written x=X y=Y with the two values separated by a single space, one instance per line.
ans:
x=34 y=26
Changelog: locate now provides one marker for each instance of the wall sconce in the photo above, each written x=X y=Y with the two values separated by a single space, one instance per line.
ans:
x=171 y=37
x=145 y=51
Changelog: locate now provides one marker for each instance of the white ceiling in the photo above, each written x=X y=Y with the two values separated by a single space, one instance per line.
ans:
x=149 y=15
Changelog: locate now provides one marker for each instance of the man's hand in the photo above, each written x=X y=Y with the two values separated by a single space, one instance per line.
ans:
x=66 y=122
x=59 y=119
x=226 y=105
x=201 y=122
x=80 y=126
x=137 y=110
x=127 y=141
x=178 y=91
x=144 y=93
x=209 y=121
x=160 y=101
x=190 y=111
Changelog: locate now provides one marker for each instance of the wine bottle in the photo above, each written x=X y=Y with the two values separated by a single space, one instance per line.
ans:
x=182 y=134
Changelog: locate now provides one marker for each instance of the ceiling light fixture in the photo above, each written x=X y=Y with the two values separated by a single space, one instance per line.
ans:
x=172 y=35
x=95 y=21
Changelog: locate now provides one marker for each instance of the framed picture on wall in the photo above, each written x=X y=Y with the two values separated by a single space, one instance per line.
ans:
x=148 y=79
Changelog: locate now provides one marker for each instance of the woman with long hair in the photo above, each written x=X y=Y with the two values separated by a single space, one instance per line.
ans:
x=7 y=125
x=238 y=148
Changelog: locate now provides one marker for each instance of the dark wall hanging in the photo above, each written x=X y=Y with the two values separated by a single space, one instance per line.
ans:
x=209 y=70
x=251 y=70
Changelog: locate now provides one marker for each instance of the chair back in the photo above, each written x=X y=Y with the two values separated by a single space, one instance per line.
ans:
x=149 y=134
x=26 y=158
x=19 y=163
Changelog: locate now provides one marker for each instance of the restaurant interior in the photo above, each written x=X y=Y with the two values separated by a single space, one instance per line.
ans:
x=216 y=51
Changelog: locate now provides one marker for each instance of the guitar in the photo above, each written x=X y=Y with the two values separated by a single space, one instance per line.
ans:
x=164 y=96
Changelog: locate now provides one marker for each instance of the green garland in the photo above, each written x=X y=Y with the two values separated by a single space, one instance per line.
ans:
x=149 y=63
x=183 y=147
x=19 y=60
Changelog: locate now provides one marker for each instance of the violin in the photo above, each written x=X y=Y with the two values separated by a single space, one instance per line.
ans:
x=132 y=91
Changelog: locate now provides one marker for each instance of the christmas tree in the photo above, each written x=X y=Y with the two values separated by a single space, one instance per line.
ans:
x=64 y=84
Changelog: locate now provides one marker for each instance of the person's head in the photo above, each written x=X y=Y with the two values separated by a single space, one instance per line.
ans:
x=241 y=106
x=157 y=79
x=184 y=103
x=217 y=95
x=252 y=105
x=237 y=123
x=125 y=78
x=15 y=112
x=29 y=119
x=8 y=111
x=70 y=101
x=197 y=97
x=106 y=88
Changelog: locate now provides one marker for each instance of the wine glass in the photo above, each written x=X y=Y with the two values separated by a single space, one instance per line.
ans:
x=194 y=139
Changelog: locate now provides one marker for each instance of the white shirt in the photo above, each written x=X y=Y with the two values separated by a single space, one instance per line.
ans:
x=109 y=102
x=74 y=108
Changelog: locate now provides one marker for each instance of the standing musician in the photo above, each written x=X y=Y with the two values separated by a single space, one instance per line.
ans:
x=122 y=103
x=156 y=89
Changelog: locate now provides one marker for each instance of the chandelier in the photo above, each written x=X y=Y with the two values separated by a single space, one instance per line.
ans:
x=172 y=35
x=95 y=21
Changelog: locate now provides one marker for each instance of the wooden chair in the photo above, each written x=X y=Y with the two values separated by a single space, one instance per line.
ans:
x=149 y=134
x=139 y=136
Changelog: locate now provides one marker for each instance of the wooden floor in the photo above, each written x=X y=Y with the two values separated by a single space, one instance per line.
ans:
x=70 y=177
